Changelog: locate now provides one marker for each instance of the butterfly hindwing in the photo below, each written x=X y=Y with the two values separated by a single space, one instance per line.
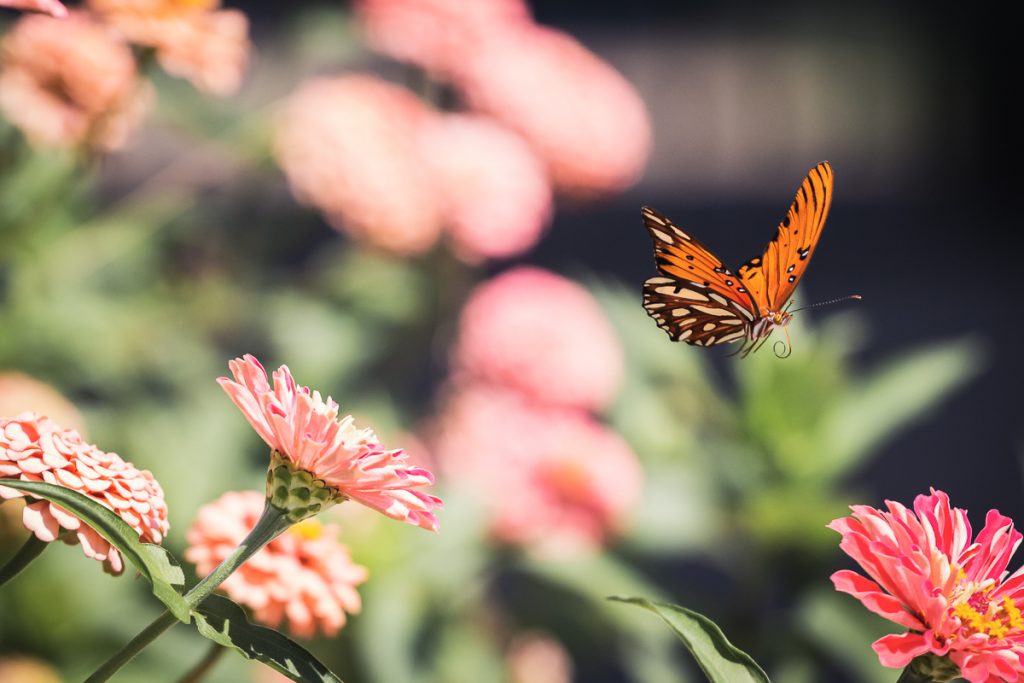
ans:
x=694 y=313
x=772 y=278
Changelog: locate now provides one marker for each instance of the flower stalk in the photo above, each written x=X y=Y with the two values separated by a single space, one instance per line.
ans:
x=32 y=549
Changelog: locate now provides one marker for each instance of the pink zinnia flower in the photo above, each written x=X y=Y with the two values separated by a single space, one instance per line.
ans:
x=304 y=429
x=349 y=147
x=68 y=82
x=304 y=575
x=928 y=576
x=494 y=190
x=543 y=335
x=51 y=7
x=438 y=35
x=552 y=479
x=192 y=38
x=581 y=116
x=538 y=658
x=35 y=448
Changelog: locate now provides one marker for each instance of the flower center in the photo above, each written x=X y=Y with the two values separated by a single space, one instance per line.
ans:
x=979 y=613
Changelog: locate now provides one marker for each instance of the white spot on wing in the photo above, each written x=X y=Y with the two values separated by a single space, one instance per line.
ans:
x=680 y=311
x=692 y=295
x=661 y=236
x=714 y=311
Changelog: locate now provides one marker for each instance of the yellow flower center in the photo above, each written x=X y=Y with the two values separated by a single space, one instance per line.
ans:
x=308 y=529
x=978 y=613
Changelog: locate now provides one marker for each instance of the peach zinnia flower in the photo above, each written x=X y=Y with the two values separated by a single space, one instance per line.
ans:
x=51 y=7
x=68 y=82
x=349 y=147
x=494 y=190
x=543 y=335
x=304 y=575
x=192 y=38
x=19 y=392
x=304 y=429
x=928 y=576
x=581 y=116
x=35 y=448
x=554 y=480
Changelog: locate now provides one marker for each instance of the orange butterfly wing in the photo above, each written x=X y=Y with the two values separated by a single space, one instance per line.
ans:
x=772 y=278
x=699 y=300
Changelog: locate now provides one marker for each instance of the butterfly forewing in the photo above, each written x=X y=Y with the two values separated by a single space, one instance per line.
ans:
x=694 y=313
x=772 y=278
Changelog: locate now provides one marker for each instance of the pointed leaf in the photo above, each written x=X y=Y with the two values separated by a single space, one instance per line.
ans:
x=225 y=623
x=152 y=561
x=718 y=658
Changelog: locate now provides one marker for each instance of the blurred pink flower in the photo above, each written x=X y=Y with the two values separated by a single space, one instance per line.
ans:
x=581 y=116
x=34 y=448
x=929 y=577
x=192 y=38
x=541 y=334
x=349 y=147
x=552 y=479
x=26 y=670
x=494 y=190
x=51 y=7
x=20 y=393
x=538 y=658
x=305 y=429
x=437 y=35
x=305 y=575
x=67 y=83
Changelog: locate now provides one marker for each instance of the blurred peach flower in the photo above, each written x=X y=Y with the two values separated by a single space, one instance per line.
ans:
x=538 y=658
x=953 y=594
x=26 y=670
x=35 y=448
x=51 y=7
x=581 y=116
x=541 y=334
x=193 y=39
x=552 y=479
x=494 y=190
x=304 y=575
x=305 y=429
x=68 y=83
x=437 y=35
x=20 y=393
x=349 y=147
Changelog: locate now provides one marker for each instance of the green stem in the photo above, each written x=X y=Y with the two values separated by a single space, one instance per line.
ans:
x=204 y=665
x=911 y=676
x=32 y=549
x=270 y=525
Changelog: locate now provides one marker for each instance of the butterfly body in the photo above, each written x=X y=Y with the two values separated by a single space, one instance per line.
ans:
x=697 y=299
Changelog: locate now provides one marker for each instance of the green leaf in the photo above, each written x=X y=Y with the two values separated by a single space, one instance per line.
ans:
x=152 y=561
x=717 y=657
x=225 y=623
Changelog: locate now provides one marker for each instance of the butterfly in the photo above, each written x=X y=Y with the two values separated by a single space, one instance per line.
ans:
x=697 y=299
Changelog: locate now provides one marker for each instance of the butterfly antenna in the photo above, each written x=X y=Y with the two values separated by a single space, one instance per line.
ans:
x=858 y=297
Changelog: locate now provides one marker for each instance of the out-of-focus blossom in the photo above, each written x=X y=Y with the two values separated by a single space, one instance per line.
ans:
x=34 y=448
x=304 y=429
x=927 y=575
x=438 y=35
x=537 y=658
x=20 y=393
x=581 y=116
x=349 y=146
x=193 y=39
x=494 y=190
x=68 y=82
x=26 y=670
x=542 y=334
x=552 y=479
x=51 y=7
x=304 y=575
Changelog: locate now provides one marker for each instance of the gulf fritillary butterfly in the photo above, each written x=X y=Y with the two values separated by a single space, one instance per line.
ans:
x=697 y=299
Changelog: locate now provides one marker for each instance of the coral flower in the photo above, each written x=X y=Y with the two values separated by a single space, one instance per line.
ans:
x=349 y=147
x=927 y=575
x=192 y=38
x=544 y=335
x=554 y=480
x=494 y=189
x=19 y=392
x=68 y=82
x=51 y=7
x=35 y=448
x=305 y=430
x=580 y=115
x=304 y=575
